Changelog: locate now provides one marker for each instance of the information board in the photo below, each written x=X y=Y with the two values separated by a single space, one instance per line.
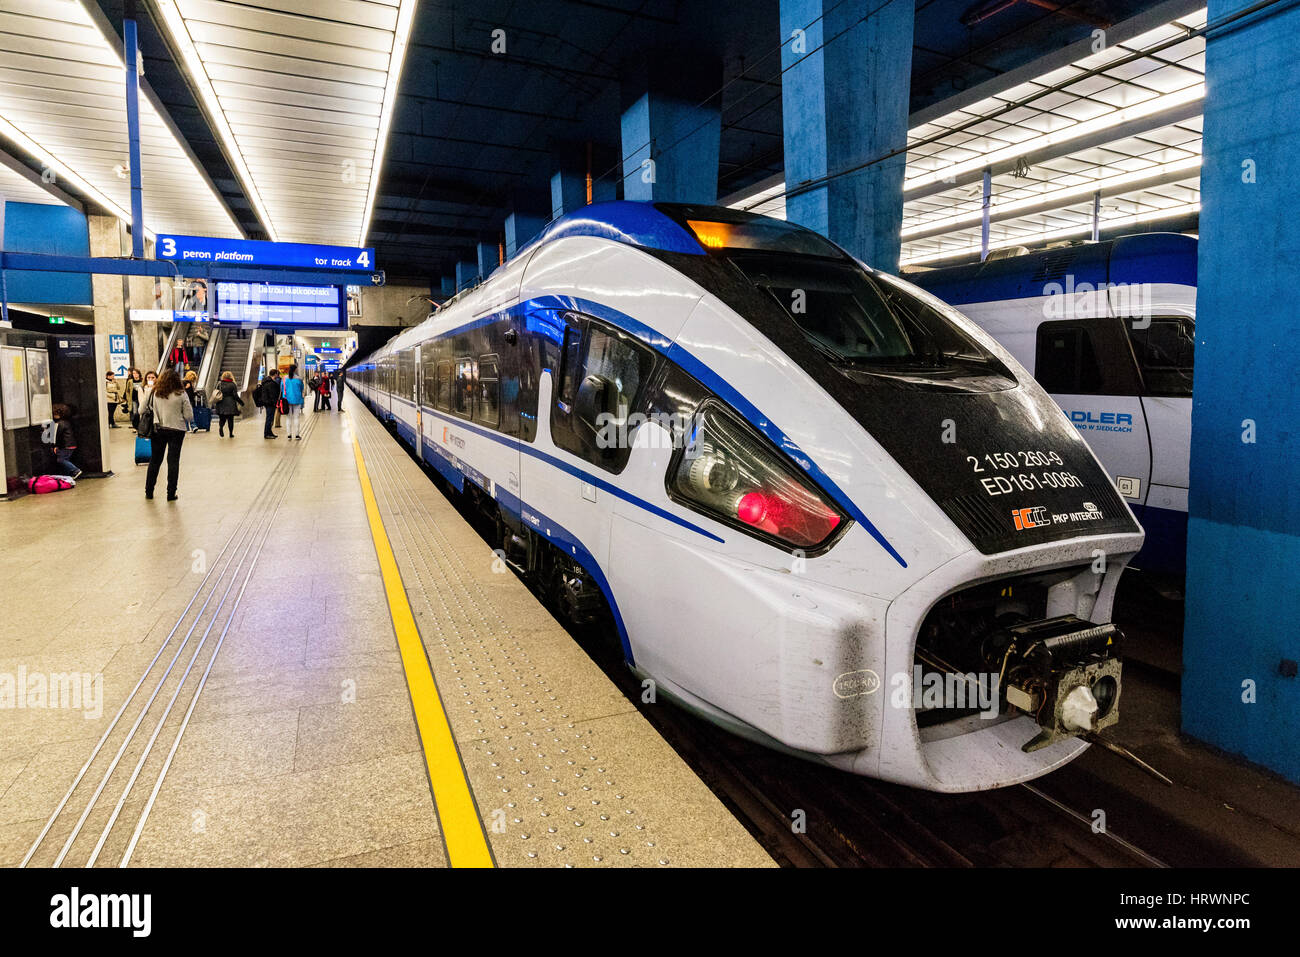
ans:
x=280 y=304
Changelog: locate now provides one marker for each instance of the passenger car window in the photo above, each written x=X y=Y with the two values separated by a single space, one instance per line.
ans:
x=442 y=394
x=463 y=391
x=487 y=404
x=1066 y=362
x=1164 y=349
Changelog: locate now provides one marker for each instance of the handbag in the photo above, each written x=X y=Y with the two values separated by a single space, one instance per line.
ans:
x=144 y=428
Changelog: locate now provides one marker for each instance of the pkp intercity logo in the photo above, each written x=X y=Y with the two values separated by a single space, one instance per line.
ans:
x=1031 y=517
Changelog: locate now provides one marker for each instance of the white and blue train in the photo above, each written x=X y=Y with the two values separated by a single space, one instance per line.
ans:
x=1108 y=329
x=821 y=507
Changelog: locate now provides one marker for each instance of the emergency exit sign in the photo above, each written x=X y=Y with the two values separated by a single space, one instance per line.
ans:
x=57 y=320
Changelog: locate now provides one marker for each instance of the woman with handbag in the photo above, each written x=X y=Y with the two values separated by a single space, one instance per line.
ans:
x=164 y=420
x=228 y=403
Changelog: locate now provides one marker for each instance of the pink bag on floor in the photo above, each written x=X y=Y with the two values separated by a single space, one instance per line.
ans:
x=49 y=483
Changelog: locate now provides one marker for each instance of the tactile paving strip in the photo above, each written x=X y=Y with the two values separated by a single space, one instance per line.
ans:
x=564 y=770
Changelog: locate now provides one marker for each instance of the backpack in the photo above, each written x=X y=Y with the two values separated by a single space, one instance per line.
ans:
x=40 y=484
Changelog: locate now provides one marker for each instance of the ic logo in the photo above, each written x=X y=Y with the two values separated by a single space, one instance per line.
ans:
x=1029 y=517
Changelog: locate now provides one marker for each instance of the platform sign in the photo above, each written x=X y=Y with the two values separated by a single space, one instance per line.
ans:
x=257 y=252
x=330 y=351
x=286 y=305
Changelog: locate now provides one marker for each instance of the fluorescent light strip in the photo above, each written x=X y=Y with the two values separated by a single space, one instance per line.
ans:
x=61 y=169
x=1106 y=184
x=401 y=36
x=1097 y=124
x=174 y=24
x=1063 y=233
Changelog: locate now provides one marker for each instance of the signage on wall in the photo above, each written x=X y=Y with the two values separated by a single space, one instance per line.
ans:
x=257 y=252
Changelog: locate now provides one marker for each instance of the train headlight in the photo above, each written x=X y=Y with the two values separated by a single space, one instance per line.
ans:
x=734 y=474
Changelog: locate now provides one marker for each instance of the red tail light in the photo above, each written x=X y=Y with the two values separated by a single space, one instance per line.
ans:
x=731 y=472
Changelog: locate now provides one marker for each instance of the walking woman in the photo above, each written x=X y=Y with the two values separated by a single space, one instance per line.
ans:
x=294 y=395
x=172 y=416
x=228 y=403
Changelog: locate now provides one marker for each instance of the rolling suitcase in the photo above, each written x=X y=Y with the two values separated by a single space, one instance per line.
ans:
x=143 y=451
x=203 y=418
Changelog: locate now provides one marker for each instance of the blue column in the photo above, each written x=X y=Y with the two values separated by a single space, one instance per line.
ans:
x=670 y=149
x=488 y=259
x=844 y=104
x=449 y=285
x=568 y=191
x=521 y=227
x=1243 y=542
x=466 y=273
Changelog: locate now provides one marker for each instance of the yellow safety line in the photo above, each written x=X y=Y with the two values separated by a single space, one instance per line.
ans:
x=462 y=828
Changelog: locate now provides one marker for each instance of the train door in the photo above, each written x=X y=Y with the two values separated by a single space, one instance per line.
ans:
x=598 y=382
x=1088 y=367
x=417 y=394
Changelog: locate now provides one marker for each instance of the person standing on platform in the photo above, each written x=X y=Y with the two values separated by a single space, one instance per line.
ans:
x=314 y=384
x=323 y=390
x=172 y=417
x=112 y=395
x=294 y=397
x=338 y=384
x=228 y=403
x=131 y=395
x=269 y=397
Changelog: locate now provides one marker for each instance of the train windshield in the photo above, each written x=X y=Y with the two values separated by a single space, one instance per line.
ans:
x=860 y=320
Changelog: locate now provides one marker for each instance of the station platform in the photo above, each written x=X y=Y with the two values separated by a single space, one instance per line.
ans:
x=310 y=659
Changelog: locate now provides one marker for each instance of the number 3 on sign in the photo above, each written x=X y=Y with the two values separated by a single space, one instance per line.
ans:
x=168 y=247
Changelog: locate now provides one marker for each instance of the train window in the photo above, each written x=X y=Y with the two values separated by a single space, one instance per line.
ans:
x=406 y=374
x=428 y=372
x=1164 y=348
x=487 y=403
x=442 y=391
x=601 y=386
x=1066 y=363
x=569 y=368
x=463 y=391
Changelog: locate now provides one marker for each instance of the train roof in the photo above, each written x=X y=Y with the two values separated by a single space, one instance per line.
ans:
x=665 y=227
x=1142 y=258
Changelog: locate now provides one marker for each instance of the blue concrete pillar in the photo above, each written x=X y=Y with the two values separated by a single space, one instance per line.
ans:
x=669 y=140
x=845 y=104
x=521 y=227
x=1243 y=541
x=466 y=273
x=568 y=191
x=449 y=285
x=488 y=258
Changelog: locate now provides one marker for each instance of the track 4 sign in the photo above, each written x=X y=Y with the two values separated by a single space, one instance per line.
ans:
x=254 y=252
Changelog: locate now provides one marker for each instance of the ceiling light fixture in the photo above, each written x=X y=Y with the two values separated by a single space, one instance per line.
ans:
x=1107 y=185
x=1097 y=124
x=1062 y=233
x=174 y=26
x=396 y=60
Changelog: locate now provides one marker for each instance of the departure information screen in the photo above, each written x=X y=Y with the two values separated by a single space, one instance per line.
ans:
x=280 y=304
